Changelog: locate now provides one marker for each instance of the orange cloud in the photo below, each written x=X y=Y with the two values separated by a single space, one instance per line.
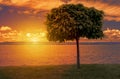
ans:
x=5 y=28
x=8 y=34
x=112 y=18
x=112 y=34
x=14 y=2
x=26 y=12
x=106 y=7
x=35 y=4
x=111 y=10
x=40 y=4
x=18 y=2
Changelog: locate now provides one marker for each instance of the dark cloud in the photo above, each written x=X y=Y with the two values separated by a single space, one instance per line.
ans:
x=111 y=24
x=112 y=2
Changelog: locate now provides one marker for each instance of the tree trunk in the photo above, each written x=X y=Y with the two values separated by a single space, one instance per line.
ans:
x=78 y=55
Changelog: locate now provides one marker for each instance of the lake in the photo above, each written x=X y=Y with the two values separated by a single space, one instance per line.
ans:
x=56 y=54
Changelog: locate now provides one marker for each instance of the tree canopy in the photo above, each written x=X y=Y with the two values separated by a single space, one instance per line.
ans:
x=71 y=21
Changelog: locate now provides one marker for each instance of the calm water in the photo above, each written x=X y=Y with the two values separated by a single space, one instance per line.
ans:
x=58 y=54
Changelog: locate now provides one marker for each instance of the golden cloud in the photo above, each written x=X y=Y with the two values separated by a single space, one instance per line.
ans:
x=9 y=34
x=112 y=34
x=5 y=28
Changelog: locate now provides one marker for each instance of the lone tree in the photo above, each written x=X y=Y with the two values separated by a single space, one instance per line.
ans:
x=70 y=22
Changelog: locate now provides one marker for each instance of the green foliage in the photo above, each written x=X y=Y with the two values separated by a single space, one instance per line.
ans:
x=70 y=21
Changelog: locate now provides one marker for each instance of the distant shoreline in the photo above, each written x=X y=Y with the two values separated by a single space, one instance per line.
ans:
x=56 y=43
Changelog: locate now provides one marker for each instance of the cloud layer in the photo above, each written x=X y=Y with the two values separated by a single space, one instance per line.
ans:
x=9 y=34
x=30 y=15
x=112 y=11
x=112 y=34
x=5 y=28
x=110 y=7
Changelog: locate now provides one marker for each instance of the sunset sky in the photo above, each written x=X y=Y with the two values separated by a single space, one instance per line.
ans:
x=23 y=20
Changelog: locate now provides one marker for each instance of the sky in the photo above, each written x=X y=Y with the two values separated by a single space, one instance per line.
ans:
x=24 y=20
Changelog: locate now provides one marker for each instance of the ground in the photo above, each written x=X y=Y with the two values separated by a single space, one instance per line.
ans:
x=87 y=71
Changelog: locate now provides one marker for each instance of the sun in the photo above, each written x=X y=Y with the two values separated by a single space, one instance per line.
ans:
x=35 y=37
x=28 y=34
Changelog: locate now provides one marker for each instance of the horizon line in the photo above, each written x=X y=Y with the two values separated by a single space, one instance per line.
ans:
x=58 y=43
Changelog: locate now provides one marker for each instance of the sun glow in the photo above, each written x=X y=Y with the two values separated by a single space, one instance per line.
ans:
x=28 y=34
x=11 y=35
x=35 y=37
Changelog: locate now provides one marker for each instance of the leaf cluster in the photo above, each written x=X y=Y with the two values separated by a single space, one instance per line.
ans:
x=71 y=21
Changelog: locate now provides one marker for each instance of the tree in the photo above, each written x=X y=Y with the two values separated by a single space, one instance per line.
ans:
x=70 y=22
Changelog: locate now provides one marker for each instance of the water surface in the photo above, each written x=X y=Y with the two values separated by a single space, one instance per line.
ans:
x=58 y=54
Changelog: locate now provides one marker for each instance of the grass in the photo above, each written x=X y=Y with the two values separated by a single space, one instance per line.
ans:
x=87 y=71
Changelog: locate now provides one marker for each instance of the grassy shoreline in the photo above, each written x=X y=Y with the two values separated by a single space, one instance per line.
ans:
x=87 y=71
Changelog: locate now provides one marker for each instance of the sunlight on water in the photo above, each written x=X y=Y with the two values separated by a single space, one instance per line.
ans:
x=36 y=54
x=57 y=54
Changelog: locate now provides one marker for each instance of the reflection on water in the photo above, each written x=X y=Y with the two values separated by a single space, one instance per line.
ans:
x=57 y=54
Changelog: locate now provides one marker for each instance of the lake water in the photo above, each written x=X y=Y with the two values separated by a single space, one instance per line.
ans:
x=17 y=55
